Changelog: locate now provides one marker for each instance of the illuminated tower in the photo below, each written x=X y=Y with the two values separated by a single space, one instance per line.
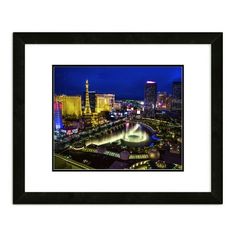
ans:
x=58 y=115
x=92 y=99
x=87 y=109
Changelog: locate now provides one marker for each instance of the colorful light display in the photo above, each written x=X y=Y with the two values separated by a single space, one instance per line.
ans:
x=58 y=115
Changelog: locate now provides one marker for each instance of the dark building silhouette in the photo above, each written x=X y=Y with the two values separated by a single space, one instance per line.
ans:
x=176 y=102
x=176 y=90
x=150 y=98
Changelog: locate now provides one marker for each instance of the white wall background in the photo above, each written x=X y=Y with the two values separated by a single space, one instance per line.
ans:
x=122 y=15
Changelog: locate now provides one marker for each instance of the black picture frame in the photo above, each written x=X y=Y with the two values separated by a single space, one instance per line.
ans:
x=20 y=196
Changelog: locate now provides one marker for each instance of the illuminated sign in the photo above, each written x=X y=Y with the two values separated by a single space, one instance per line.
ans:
x=69 y=132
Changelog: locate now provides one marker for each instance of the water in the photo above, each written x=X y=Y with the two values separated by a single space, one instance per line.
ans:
x=131 y=135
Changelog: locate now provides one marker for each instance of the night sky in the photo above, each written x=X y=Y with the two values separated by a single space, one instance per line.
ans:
x=124 y=81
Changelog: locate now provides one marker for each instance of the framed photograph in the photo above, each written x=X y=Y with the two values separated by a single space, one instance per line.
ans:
x=117 y=118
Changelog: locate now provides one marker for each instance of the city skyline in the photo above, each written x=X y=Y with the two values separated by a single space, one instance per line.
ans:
x=118 y=117
x=70 y=80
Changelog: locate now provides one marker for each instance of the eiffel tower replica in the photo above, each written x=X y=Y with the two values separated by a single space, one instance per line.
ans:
x=88 y=115
x=87 y=109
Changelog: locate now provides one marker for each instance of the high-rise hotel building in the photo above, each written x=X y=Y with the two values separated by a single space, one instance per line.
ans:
x=150 y=98
x=177 y=96
x=176 y=90
x=104 y=102
x=71 y=105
